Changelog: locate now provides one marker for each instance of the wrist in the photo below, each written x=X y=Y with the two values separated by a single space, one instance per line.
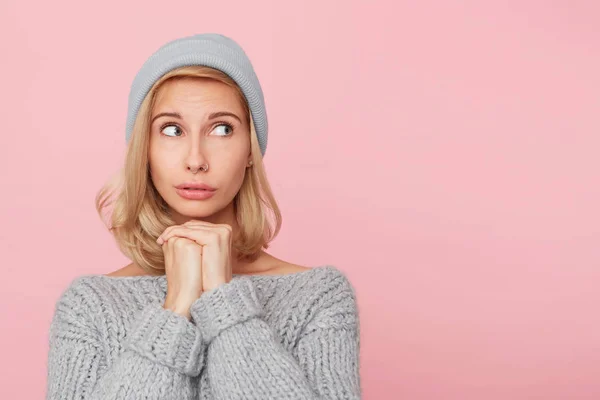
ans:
x=179 y=307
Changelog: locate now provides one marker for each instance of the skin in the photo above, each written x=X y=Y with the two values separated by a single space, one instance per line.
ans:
x=178 y=146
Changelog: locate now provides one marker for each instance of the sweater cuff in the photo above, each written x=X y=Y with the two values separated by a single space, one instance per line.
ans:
x=167 y=338
x=224 y=306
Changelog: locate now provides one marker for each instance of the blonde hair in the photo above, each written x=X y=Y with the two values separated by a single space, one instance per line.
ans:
x=139 y=214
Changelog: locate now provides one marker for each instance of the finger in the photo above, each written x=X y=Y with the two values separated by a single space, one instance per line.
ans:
x=199 y=234
x=170 y=228
x=167 y=230
x=196 y=222
x=168 y=255
x=224 y=230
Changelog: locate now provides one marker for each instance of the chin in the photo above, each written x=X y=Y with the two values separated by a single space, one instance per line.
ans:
x=197 y=209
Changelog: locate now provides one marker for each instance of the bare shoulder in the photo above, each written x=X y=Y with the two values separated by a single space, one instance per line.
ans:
x=128 y=270
x=281 y=267
x=268 y=264
x=289 y=268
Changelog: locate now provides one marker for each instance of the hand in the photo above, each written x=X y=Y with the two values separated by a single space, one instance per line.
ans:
x=215 y=240
x=183 y=258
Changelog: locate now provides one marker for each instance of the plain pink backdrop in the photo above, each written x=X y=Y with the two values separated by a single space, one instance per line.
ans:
x=443 y=154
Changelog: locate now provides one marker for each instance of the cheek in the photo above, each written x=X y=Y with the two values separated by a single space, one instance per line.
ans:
x=233 y=175
x=161 y=166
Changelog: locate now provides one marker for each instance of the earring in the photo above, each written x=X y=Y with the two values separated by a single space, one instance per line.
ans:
x=203 y=167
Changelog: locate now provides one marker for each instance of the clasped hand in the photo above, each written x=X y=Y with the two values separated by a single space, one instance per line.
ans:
x=203 y=249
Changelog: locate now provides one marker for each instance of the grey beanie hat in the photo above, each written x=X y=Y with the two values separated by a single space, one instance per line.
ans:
x=209 y=49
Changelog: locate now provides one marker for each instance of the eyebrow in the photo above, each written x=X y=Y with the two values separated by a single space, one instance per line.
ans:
x=211 y=116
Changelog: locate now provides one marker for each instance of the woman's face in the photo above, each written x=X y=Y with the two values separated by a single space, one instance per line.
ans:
x=191 y=135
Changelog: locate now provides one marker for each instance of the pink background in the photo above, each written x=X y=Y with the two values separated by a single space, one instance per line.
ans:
x=443 y=154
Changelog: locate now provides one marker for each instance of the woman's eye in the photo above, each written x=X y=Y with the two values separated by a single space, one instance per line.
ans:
x=174 y=130
x=170 y=128
x=227 y=126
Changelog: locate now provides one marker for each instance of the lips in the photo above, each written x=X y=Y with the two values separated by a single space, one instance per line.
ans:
x=195 y=194
x=195 y=186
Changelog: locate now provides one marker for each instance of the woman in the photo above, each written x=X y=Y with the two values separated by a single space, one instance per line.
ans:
x=202 y=312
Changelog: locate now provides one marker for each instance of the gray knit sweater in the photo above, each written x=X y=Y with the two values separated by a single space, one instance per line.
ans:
x=292 y=336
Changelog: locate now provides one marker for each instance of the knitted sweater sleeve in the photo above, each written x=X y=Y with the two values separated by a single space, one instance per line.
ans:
x=161 y=353
x=246 y=360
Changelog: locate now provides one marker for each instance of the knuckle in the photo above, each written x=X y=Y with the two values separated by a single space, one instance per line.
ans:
x=228 y=228
x=178 y=243
x=192 y=248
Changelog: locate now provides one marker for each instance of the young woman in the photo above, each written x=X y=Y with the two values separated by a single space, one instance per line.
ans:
x=202 y=312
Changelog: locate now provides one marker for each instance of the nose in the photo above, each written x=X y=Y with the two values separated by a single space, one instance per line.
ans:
x=195 y=168
x=195 y=160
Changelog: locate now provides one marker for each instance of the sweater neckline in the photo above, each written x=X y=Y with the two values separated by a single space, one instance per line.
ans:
x=276 y=277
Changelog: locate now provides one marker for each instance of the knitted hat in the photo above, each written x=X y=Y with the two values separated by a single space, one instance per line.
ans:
x=211 y=50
